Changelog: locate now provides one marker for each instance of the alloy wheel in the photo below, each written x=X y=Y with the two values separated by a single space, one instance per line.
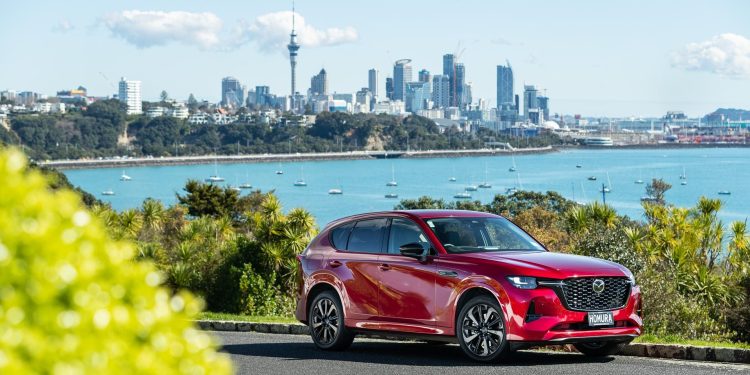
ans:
x=482 y=330
x=325 y=322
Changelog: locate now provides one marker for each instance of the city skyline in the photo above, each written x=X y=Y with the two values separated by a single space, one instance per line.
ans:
x=640 y=62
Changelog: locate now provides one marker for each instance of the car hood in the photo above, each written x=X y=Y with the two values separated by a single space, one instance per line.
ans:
x=549 y=265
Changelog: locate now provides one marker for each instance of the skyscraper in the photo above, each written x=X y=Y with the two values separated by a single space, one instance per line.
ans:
x=372 y=82
x=449 y=70
x=504 y=86
x=293 y=48
x=389 y=88
x=441 y=91
x=319 y=83
x=543 y=104
x=401 y=75
x=130 y=93
x=232 y=94
x=459 y=81
x=531 y=104
x=417 y=96
x=262 y=96
x=424 y=76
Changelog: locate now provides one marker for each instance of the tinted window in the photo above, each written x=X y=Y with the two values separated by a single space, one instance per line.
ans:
x=460 y=235
x=367 y=236
x=340 y=235
x=403 y=232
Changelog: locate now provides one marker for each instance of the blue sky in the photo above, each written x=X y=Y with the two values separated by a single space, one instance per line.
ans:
x=592 y=57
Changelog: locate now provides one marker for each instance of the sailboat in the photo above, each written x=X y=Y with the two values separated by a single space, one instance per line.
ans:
x=639 y=181
x=513 y=167
x=608 y=188
x=683 y=176
x=485 y=184
x=452 y=178
x=124 y=177
x=392 y=182
x=335 y=191
x=279 y=171
x=391 y=195
x=215 y=177
x=108 y=192
x=301 y=181
x=462 y=195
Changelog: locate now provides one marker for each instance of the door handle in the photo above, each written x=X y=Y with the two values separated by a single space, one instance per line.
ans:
x=334 y=263
x=384 y=267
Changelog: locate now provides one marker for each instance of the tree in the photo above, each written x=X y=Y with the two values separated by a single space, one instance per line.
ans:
x=164 y=96
x=74 y=300
x=209 y=200
x=657 y=189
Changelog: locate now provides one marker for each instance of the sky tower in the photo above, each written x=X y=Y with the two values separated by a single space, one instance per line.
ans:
x=293 y=48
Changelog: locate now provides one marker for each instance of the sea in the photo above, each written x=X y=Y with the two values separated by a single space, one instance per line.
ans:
x=706 y=172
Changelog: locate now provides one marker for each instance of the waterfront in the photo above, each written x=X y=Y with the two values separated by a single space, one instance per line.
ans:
x=363 y=181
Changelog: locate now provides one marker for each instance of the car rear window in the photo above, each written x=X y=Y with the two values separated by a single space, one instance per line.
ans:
x=340 y=235
x=367 y=236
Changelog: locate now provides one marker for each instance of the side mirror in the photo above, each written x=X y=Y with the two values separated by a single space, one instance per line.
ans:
x=415 y=250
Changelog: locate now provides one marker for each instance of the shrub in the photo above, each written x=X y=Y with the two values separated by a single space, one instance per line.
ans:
x=259 y=295
x=74 y=301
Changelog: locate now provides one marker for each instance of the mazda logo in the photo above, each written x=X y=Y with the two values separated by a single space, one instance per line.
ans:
x=598 y=286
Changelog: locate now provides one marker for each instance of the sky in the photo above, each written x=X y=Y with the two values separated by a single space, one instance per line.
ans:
x=596 y=58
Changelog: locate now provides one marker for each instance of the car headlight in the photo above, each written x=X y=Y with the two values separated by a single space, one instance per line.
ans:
x=523 y=282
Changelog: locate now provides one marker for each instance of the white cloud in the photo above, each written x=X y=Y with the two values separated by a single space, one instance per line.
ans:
x=63 y=26
x=726 y=54
x=154 y=28
x=271 y=32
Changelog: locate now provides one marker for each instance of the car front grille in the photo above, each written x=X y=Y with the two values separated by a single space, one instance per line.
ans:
x=579 y=294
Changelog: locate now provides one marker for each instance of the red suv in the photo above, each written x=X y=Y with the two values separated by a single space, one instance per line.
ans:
x=471 y=277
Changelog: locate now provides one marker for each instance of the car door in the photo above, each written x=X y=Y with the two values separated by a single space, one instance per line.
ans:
x=355 y=264
x=407 y=286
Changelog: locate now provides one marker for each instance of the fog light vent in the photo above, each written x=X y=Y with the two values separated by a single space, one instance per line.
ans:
x=531 y=314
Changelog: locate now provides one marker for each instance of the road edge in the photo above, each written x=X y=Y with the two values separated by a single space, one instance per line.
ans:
x=669 y=351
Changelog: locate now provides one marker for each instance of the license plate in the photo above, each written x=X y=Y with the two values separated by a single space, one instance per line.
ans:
x=597 y=319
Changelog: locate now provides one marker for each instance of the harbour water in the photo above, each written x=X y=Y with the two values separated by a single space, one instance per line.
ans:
x=364 y=181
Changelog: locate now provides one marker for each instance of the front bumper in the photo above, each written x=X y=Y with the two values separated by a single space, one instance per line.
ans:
x=551 y=323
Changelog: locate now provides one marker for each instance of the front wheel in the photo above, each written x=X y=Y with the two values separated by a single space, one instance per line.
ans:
x=599 y=348
x=481 y=330
x=326 y=317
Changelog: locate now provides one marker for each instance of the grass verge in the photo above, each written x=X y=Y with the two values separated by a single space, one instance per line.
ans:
x=653 y=339
x=245 y=318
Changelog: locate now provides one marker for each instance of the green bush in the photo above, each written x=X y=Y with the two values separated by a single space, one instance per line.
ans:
x=74 y=301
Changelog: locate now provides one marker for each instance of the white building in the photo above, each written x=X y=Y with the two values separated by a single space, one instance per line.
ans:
x=156 y=112
x=200 y=118
x=130 y=94
x=179 y=110
x=395 y=107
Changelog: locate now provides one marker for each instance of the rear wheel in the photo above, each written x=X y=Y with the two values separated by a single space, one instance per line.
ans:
x=599 y=348
x=481 y=330
x=327 y=328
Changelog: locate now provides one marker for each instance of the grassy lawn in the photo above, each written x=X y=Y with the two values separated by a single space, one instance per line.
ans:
x=246 y=318
x=653 y=339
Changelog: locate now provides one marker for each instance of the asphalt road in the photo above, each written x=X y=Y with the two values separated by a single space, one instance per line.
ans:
x=258 y=353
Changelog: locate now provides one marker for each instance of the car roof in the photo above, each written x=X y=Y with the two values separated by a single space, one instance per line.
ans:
x=414 y=214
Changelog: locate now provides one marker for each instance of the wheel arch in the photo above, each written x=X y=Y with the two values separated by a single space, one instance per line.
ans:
x=318 y=288
x=475 y=291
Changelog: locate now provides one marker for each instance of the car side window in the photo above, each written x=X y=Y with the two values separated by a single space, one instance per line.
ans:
x=340 y=235
x=367 y=236
x=404 y=231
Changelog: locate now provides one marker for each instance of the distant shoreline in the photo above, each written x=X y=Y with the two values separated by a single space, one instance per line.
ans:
x=351 y=155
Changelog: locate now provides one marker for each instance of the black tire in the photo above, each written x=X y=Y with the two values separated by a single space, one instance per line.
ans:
x=326 y=321
x=599 y=348
x=480 y=329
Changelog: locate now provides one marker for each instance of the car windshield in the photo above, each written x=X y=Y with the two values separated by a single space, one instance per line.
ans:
x=479 y=234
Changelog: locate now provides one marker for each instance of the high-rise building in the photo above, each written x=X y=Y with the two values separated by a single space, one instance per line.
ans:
x=543 y=104
x=459 y=84
x=263 y=96
x=389 y=88
x=401 y=75
x=418 y=96
x=130 y=93
x=293 y=47
x=372 y=82
x=529 y=99
x=449 y=70
x=319 y=83
x=441 y=91
x=504 y=87
x=232 y=93
x=424 y=76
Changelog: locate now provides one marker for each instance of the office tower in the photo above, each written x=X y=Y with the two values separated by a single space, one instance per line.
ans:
x=401 y=75
x=389 y=88
x=130 y=93
x=543 y=104
x=232 y=94
x=441 y=91
x=529 y=99
x=504 y=86
x=459 y=81
x=424 y=76
x=417 y=96
x=262 y=96
x=319 y=83
x=372 y=82
x=293 y=47
x=449 y=70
